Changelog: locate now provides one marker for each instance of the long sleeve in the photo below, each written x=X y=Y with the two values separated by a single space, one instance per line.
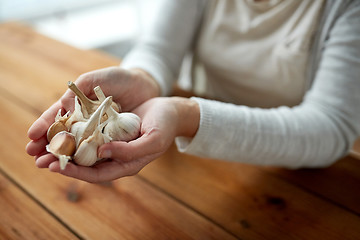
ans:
x=313 y=134
x=162 y=47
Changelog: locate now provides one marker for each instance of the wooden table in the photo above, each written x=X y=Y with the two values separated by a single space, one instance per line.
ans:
x=175 y=197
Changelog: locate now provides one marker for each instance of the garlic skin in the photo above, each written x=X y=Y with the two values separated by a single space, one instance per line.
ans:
x=62 y=146
x=122 y=126
x=76 y=116
x=83 y=130
x=58 y=126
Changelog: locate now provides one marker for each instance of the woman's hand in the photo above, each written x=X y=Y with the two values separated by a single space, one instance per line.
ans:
x=162 y=120
x=129 y=88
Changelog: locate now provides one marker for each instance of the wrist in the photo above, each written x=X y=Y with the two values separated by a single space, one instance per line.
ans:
x=188 y=116
x=151 y=83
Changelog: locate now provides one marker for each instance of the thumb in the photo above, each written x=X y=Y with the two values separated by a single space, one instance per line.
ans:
x=148 y=144
x=39 y=128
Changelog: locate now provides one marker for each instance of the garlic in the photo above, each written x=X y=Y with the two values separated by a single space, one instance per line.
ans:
x=86 y=154
x=83 y=130
x=76 y=116
x=101 y=96
x=58 y=126
x=122 y=126
x=77 y=136
x=62 y=146
x=99 y=93
x=88 y=106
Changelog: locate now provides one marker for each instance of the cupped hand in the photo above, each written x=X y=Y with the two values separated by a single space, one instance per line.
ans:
x=162 y=120
x=129 y=88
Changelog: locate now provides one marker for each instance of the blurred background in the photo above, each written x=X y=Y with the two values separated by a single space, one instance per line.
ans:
x=109 y=25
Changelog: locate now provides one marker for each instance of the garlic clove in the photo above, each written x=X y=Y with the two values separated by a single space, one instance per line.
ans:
x=77 y=129
x=58 y=126
x=86 y=154
x=62 y=146
x=55 y=128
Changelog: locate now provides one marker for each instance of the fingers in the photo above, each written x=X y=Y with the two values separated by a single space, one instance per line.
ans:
x=106 y=171
x=35 y=147
x=130 y=158
x=99 y=173
x=39 y=128
x=127 y=158
x=67 y=100
x=45 y=159
x=149 y=143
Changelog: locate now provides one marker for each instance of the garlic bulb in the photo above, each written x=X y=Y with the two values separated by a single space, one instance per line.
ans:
x=63 y=146
x=122 y=126
x=83 y=130
x=58 y=126
x=88 y=106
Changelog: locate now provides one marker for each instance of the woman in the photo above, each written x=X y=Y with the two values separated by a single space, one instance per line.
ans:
x=285 y=74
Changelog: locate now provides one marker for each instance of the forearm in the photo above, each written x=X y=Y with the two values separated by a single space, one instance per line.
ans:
x=316 y=133
x=289 y=137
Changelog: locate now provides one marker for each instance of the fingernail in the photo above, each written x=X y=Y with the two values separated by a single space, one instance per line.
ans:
x=105 y=154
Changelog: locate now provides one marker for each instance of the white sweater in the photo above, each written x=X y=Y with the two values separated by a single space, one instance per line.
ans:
x=317 y=132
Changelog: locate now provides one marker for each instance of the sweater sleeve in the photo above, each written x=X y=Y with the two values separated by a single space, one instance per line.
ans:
x=313 y=134
x=161 y=48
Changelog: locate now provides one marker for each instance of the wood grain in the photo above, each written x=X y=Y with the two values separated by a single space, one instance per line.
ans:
x=22 y=218
x=338 y=183
x=250 y=202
